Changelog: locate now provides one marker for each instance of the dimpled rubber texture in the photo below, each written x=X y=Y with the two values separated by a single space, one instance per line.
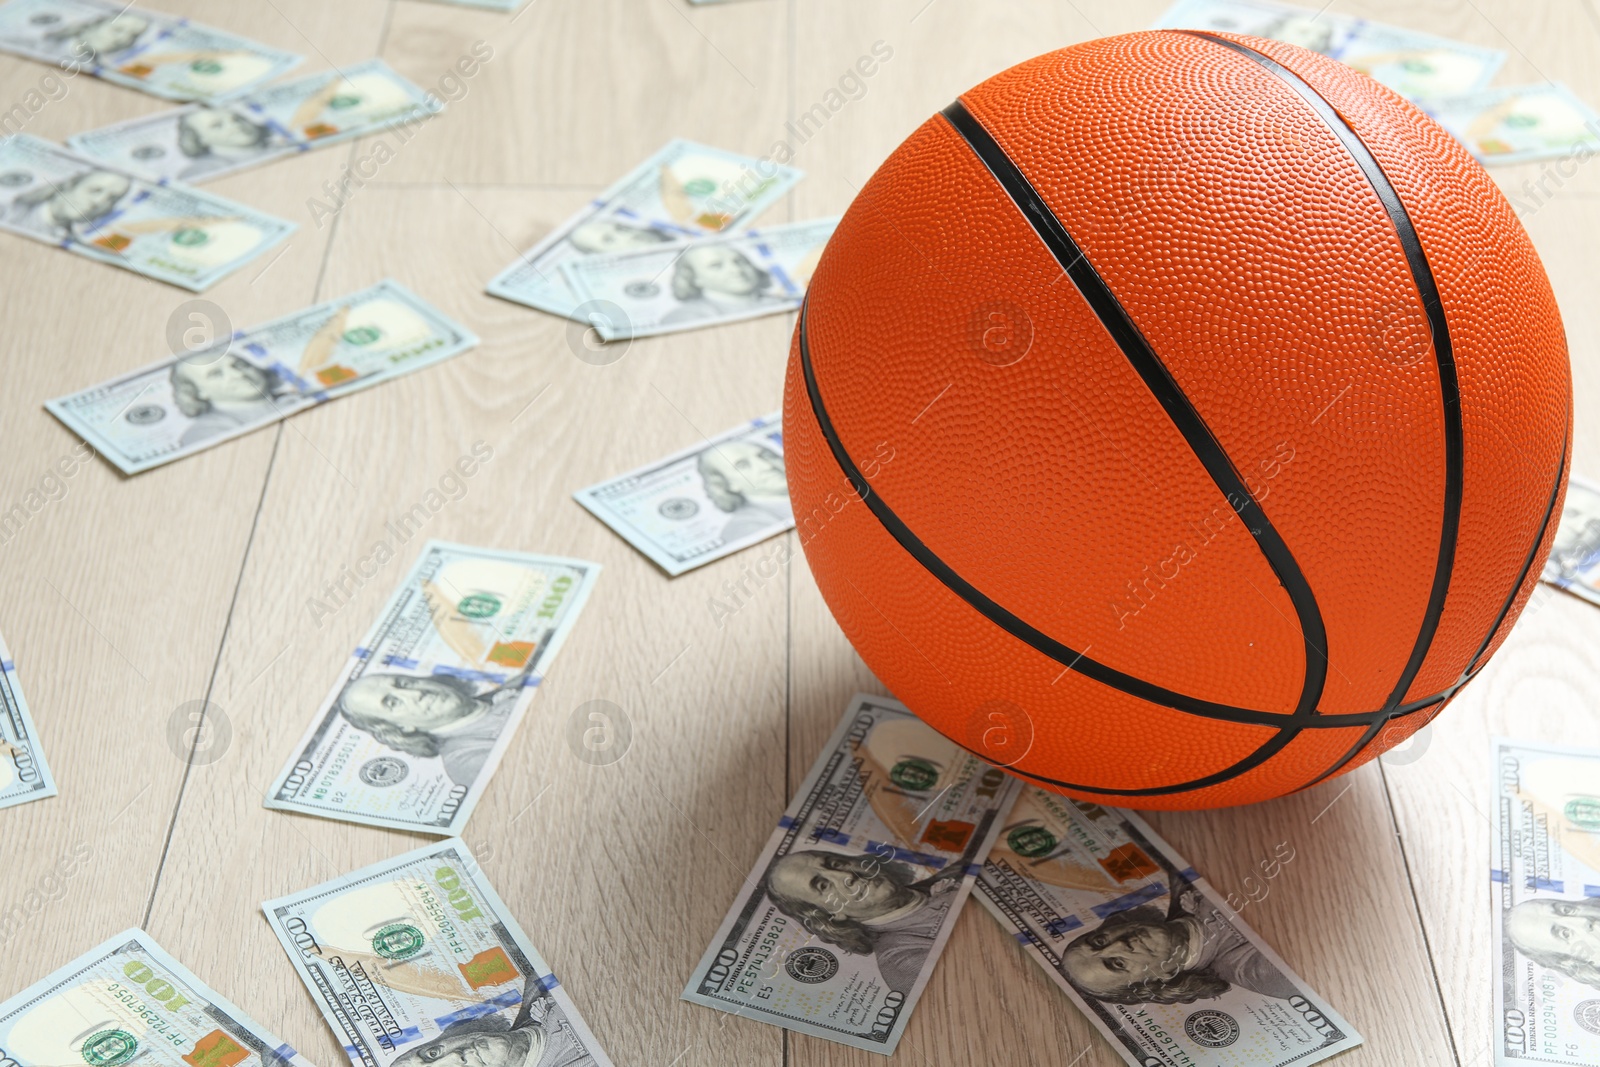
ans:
x=1019 y=538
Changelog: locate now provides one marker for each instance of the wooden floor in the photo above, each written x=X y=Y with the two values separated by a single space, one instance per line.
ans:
x=127 y=599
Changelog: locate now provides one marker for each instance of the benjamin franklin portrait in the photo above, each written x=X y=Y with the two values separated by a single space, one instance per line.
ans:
x=64 y=210
x=225 y=393
x=1563 y=935
x=213 y=138
x=715 y=280
x=431 y=716
x=98 y=38
x=746 y=480
x=1191 y=952
x=866 y=905
x=609 y=235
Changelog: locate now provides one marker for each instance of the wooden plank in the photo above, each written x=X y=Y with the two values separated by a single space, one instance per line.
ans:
x=95 y=580
x=578 y=94
x=591 y=859
x=117 y=592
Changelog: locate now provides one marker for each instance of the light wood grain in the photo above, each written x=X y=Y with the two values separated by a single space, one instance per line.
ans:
x=117 y=594
x=126 y=598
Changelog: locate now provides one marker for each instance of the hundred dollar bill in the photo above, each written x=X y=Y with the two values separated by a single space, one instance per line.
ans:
x=427 y=705
x=1574 y=561
x=1412 y=64
x=1519 y=123
x=1545 y=873
x=417 y=959
x=703 y=503
x=182 y=405
x=704 y=282
x=127 y=1001
x=837 y=929
x=198 y=142
x=24 y=774
x=171 y=233
x=685 y=190
x=1144 y=946
x=162 y=54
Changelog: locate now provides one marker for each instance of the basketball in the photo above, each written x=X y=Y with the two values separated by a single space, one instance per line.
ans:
x=1178 y=420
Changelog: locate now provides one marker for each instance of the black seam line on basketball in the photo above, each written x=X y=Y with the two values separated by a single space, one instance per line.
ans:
x=1036 y=639
x=1361 y=742
x=1167 y=392
x=1473 y=666
x=1527 y=563
x=1269 y=748
x=1444 y=354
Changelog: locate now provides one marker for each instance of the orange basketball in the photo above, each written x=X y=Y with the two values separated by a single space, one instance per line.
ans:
x=1178 y=419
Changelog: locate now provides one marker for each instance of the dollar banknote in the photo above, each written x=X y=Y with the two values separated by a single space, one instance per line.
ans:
x=839 y=925
x=1162 y=966
x=184 y=404
x=704 y=282
x=171 y=233
x=198 y=142
x=1574 y=560
x=24 y=774
x=127 y=1001
x=164 y=55
x=426 y=706
x=703 y=503
x=1413 y=64
x=1545 y=886
x=416 y=960
x=1520 y=123
x=685 y=190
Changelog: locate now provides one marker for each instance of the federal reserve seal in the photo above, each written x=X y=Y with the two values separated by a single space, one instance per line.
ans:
x=145 y=414
x=384 y=771
x=812 y=965
x=108 y=1048
x=398 y=941
x=1212 y=1028
x=1587 y=1014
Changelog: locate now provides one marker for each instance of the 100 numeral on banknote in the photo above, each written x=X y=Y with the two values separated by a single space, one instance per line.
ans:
x=837 y=930
x=416 y=724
